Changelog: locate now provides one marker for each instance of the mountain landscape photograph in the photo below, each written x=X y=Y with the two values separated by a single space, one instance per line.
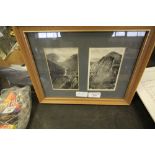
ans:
x=63 y=67
x=104 y=67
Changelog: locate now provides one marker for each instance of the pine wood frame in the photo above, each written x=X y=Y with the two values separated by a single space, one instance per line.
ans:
x=145 y=53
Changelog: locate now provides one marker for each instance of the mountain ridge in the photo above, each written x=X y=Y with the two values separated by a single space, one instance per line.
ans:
x=103 y=73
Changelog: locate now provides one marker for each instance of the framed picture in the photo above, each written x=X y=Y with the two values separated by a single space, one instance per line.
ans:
x=86 y=64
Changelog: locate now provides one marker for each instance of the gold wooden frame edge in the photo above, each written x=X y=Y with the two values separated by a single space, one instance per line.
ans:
x=143 y=58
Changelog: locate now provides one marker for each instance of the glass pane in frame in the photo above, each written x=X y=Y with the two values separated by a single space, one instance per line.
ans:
x=130 y=43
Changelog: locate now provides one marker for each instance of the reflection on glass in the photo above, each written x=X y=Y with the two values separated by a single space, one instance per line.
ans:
x=120 y=33
x=128 y=34
x=49 y=35
x=131 y=34
x=41 y=35
x=141 y=34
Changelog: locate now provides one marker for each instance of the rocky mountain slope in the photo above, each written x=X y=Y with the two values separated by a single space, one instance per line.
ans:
x=65 y=74
x=103 y=73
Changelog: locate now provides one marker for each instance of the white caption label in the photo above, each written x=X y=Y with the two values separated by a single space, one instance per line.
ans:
x=94 y=94
x=81 y=94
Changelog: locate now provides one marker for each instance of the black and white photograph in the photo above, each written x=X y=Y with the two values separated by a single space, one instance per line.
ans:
x=63 y=67
x=104 y=68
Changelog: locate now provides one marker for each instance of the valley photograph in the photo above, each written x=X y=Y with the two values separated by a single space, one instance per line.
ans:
x=104 y=67
x=63 y=67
